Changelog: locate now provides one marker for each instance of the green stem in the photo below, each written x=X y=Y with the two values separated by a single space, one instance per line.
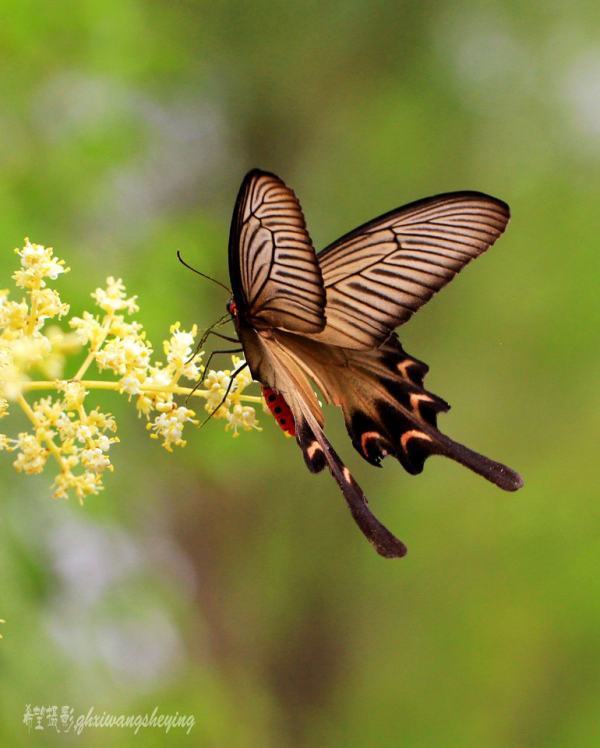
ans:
x=94 y=349
x=98 y=384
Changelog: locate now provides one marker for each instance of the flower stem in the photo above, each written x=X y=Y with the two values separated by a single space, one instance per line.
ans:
x=32 y=321
x=99 y=384
x=95 y=348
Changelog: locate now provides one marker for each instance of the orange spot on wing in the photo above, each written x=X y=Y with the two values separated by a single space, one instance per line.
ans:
x=403 y=366
x=413 y=434
x=365 y=438
x=418 y=397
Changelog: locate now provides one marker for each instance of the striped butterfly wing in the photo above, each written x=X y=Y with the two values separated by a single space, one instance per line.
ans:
x=381 y=273
x=375 y=278
x=274 y=272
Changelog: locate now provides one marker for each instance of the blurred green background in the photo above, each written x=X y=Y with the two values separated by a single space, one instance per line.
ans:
x=224 y=580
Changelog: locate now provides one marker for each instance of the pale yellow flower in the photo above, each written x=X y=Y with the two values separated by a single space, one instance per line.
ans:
x=113 y=298
x=216 y=383
x=241 y=417
x=11 y=377
x=28 y=350
x=242 y=380
x=49 y=304
x=13 y=317
x=81 y=485
x=61 y=426
x=31 y=454
x=124 y=356
x=49 y=412
x=37 y=263
x=95 y=459
x=88 y=329
x=74 y=394
x=102 y=421
x=179 y=350
x=168 y=426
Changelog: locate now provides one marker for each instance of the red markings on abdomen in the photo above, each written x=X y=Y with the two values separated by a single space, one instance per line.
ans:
x=280 y=410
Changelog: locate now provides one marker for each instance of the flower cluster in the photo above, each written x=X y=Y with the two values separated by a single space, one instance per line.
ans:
x=63 y=426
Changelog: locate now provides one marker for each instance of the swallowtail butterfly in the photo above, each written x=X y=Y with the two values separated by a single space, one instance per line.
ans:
x=327 y=320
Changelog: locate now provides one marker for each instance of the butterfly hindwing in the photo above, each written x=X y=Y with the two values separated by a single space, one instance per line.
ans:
x=400 y=418
x=280 y=368
x=275 y=275
x=386 y=408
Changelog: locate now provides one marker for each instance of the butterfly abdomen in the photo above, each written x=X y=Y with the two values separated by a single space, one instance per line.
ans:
x=280 y=409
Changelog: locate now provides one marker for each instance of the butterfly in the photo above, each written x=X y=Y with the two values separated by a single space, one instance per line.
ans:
x=327 y=320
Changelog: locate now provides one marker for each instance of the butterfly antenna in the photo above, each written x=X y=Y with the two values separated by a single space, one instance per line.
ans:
x=203 y=275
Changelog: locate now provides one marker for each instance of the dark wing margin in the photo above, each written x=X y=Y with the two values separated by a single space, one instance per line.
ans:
x=274 y=271
x=293 y=384
x=377 y=276
x=318 y=452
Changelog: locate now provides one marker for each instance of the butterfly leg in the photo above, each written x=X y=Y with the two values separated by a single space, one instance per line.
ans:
x=214 y=353
x=222 y=337
x=239 y=370
x=210 y=331
x=201 y=380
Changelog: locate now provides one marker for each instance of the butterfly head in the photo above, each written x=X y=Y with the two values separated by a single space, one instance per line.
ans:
x=232 y=308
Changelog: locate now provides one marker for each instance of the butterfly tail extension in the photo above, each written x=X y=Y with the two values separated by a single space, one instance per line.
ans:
x=319 y=453
x=497 y=473
x=401 y=417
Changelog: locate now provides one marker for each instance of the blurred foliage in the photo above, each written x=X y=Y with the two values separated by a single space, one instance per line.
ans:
x=226 y=581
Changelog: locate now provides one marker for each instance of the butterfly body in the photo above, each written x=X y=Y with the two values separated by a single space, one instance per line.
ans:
x=327 y=320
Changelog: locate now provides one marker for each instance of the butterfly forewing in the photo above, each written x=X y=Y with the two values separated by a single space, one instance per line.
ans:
x=276 y=278
x=377 y=276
